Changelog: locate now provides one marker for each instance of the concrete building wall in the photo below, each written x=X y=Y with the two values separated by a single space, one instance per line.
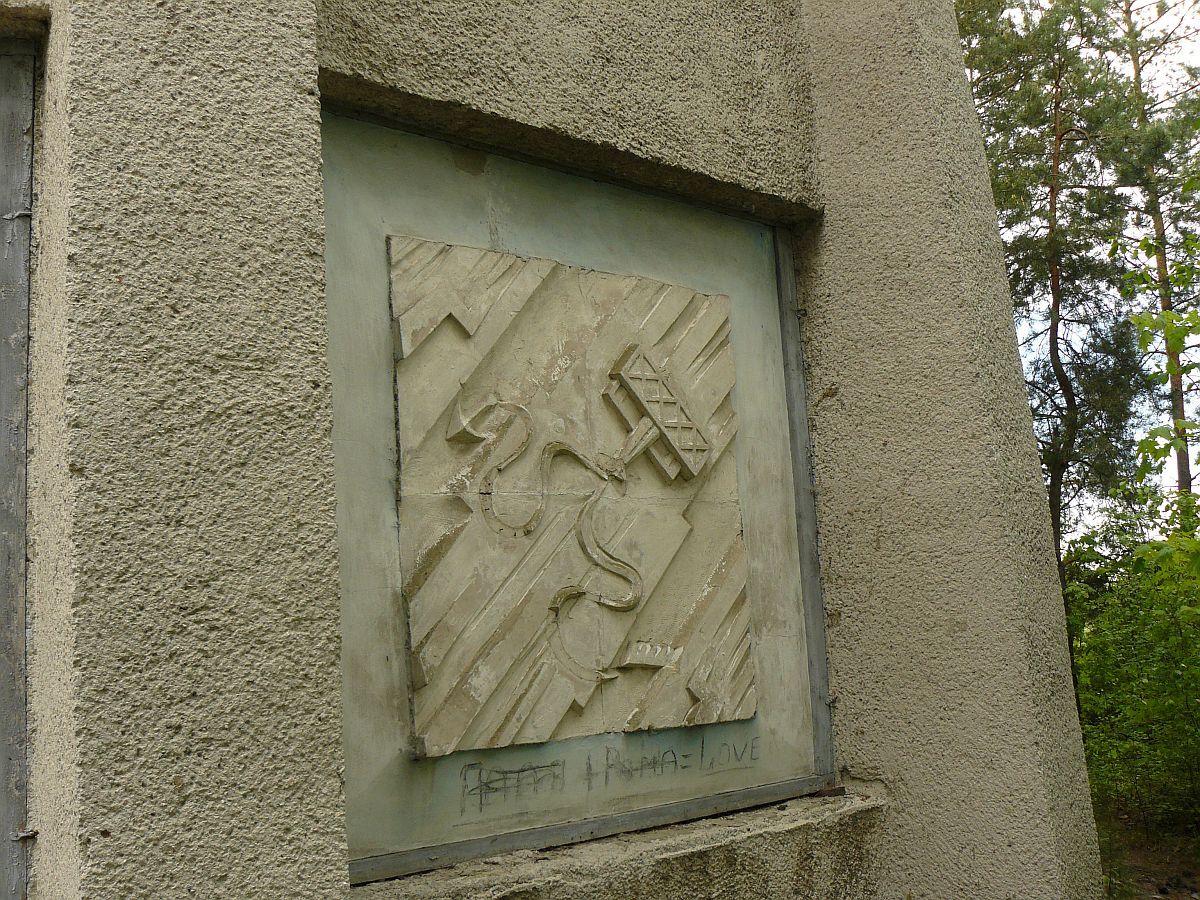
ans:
x=946 y=632
x=702 y=97
x=185 y=677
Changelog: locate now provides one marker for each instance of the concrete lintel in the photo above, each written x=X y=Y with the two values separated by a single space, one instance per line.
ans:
x=349 y=95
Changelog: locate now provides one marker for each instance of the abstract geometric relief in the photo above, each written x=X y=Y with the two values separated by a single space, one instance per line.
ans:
x=570 y=534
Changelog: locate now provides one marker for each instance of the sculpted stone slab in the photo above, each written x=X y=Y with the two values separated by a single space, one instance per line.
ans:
x=570 y=532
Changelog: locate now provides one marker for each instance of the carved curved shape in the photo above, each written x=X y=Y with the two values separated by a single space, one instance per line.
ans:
x=550 y=450
x=520 y=607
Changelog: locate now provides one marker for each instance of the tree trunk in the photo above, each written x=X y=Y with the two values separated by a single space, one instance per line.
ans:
x=1183 y=464
x=1070 y=424
x=1064 y=450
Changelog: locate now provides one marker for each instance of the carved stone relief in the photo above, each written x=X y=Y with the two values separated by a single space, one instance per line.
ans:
x=570 y=534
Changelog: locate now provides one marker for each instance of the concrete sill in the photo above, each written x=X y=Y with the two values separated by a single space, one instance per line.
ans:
x=812 y=846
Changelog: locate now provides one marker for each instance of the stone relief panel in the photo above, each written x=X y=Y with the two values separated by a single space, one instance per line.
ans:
x=570 y=531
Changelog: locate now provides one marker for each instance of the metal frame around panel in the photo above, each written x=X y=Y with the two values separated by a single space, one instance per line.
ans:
x=407 y=862
x=17 y=79
x=806 y=508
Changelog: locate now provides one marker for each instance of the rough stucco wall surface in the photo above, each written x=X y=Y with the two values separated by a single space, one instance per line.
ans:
x=53 y=750
x=195 y=461
x=186 y=711
x=946 y=634
x=713 y=87
x=806 y=848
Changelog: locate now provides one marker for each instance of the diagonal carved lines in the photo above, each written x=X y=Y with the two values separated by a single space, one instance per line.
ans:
x=430 y=282
x=544 y=336
x=716 y=668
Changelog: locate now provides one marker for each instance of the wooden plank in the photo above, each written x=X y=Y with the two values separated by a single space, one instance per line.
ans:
x=16 y=174
x=806 y=511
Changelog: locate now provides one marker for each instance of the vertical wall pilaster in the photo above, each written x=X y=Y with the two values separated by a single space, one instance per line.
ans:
x=947 y=641
x=189 y=694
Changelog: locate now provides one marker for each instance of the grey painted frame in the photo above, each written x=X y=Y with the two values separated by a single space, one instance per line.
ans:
x=407 y=862
x=17 y=79
x=806 y=508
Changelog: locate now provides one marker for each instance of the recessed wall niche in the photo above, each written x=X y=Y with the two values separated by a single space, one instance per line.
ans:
x=568 y=436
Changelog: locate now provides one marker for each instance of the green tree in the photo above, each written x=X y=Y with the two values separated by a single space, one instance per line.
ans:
x=1136 y=601
x=1149 y=142
x=1044 y=97
x=1091 y=127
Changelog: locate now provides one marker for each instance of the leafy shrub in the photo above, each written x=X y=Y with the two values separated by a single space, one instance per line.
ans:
x=1134 y=591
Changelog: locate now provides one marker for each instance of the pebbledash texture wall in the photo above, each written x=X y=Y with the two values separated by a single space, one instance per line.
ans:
x=185 y=675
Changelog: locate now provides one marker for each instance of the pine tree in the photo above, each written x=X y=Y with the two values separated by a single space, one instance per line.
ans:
x=1044 y=96
x=1150 y=143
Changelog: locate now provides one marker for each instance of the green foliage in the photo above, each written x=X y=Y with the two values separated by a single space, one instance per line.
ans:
x=1133 y=592
x=1045 y=98
x=1182 y=271
x=1175 y=331
x=1091 y=119
x=1136 y=601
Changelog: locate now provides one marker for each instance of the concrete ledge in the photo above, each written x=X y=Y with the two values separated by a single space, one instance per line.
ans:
x=810 y=847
